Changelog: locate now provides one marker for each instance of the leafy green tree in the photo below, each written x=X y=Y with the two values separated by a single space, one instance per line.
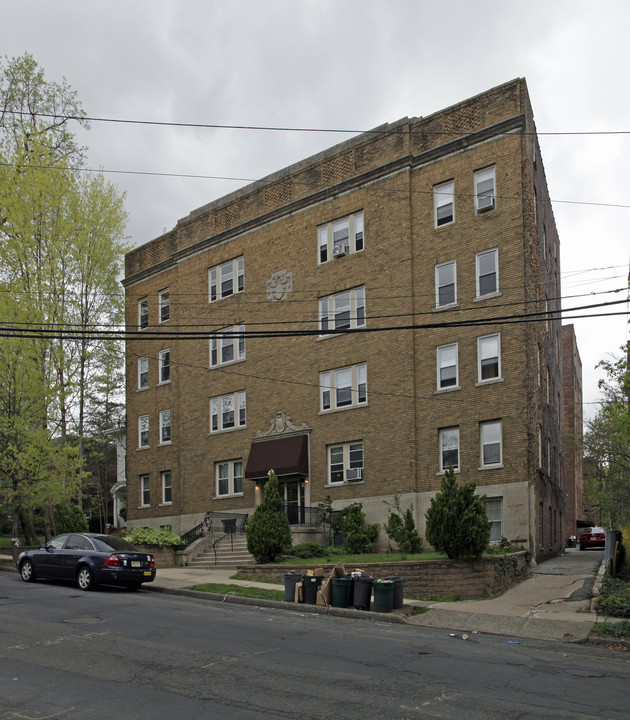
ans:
x=268 y=532
x=358 y=536
x=69 y=518
x=457 y=523
x=401 y=528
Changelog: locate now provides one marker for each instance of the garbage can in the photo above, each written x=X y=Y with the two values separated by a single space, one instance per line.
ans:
x=362 y=593
x=399 y=586
x=311 y=585
x=340 y=595
x=291 y=579
x=383 y=596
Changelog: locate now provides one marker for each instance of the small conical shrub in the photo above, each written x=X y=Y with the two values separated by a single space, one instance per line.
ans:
x=268 y=532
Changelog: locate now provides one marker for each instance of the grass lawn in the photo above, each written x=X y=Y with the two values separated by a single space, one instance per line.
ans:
x=358 y=560
x=241 y=591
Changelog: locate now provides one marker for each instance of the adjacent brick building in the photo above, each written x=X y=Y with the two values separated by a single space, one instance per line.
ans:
x=358 y=322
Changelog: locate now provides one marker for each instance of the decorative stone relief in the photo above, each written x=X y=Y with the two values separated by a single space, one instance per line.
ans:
x=279 y=285
x=281 y=425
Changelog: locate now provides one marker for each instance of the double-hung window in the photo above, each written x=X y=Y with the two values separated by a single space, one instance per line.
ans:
x=164 y=364
x=143 y=373
x=229 y=478
x=143 y=313
x=228 y=412
x=165 y=427
x=145 y=491
x=227 y=346
x=167 y=488
x=446 y=284
x=164 y=305
x=491 y=444
x=340 y=237
x=449 y=448
x=489 y=357
x=343 y=388
x=345 y=462
x=444 y=203
x=487 y=272
x=447 y=367
x=342 y=311
x=227 y=279
x=485 y=195
x=494 y=512
x=143 y=431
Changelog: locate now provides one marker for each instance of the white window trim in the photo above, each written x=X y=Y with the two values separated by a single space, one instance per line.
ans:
x=141 y=419
x=143 y=303
x=163 y=425
x=499 y=377
x=494 y=293
x=328 y=384
x=164 y=304
x=144 y=478
x=483 y=176
x=441 y=351
x=234 y=335
x=346 y=462
x=356 y=237
x=239 y=400
x=161 y=366
x=163 y=475
x=356 y=297
x=439 y=306
x=444 y=194
x=144 y=358
x=482 y=445
x=442 y=433
x=214 y=279
x=496 y=501
x=231 y=476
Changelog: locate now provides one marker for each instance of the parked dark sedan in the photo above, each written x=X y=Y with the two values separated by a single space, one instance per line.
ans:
x=88 y=559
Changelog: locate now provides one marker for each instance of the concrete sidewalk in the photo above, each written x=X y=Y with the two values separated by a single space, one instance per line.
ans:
x=549 y=605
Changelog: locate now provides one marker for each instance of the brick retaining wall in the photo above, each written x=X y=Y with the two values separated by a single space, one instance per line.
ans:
x=465 y=579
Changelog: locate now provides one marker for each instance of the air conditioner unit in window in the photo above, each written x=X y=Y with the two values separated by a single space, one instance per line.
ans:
x=485 y=202
x=354 y=474
x=340 y=250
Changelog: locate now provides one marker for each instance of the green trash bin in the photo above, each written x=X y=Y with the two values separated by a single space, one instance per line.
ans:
x=383 y=596
x=340 y=595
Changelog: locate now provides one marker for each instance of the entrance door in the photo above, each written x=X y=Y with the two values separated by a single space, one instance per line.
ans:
x=292 y=493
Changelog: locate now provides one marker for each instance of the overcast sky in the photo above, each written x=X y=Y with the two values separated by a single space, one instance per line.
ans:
x=347 y=64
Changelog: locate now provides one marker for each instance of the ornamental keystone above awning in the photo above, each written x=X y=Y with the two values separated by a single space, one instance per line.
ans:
x=283 y=448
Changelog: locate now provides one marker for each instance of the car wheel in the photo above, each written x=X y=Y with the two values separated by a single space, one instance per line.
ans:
x=582 y=547
x=27 y=571
x=85 y=579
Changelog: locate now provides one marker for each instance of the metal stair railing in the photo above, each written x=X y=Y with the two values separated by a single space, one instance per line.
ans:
x=216 y=522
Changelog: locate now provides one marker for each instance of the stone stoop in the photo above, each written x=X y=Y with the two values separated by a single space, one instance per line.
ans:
x=228 y=554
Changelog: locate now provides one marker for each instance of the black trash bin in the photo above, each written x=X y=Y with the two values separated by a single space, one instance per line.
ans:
x=291 y=579
x=362 y=593
x=399 y=586
x=311 y=584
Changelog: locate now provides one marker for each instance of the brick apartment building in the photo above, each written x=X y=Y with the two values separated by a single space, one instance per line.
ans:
x=358 y=322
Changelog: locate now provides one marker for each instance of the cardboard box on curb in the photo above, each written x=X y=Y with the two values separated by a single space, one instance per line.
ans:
x=324 y=593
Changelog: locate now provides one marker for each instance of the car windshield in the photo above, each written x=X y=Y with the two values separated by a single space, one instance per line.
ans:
x=112 y=542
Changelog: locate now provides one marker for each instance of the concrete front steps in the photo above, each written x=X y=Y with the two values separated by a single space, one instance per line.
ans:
x=230 y=553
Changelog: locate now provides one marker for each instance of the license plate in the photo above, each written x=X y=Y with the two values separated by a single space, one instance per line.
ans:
x=147 y=573
x=135 y=563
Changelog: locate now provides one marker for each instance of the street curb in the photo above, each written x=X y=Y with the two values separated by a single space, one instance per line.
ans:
x=303 y=608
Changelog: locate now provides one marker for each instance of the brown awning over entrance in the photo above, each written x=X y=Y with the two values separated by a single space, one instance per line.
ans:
x=285 y=456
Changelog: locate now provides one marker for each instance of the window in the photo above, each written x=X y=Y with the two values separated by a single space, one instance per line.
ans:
x=487 y=272
x=446 y=284
x=485 y=197
x=489 y=357
x=167 y=488
x=228 y=412
x=228 y=346
x=449 y=448
x=494 y=511
x=165 y=426
x=143 y=313
x=345 y=387
x=164 y=362
x=342 y=311
x=143 y=431
x=340 y=237
x=345 y=462
x=491 y=451
x=145 y=491
x=164 y=305
x=225 y=280
x=143 y=373
x=447 y=367
x=444 y=202
x=229 y=478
